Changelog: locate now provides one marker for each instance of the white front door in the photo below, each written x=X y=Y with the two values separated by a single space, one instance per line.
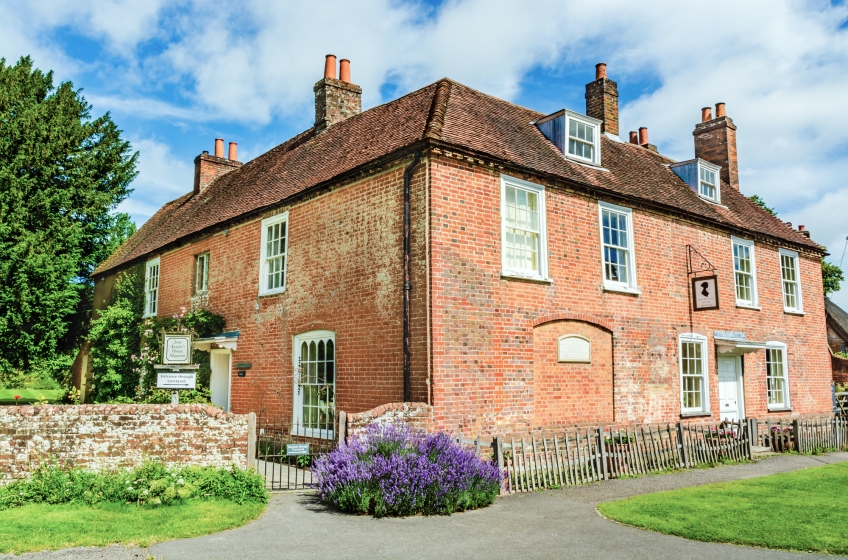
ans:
x=219 y=382
x=730 y=388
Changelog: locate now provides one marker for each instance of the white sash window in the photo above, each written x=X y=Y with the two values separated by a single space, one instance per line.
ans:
x=151 y=288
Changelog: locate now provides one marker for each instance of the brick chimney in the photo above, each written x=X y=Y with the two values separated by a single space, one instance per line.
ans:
x=335 y=100
x=207 y=168
x=715 y=142
x=602 y=100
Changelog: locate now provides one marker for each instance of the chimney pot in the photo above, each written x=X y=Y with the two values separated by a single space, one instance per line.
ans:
x=219 y=147
x=233 y=155
x=720 y=110
x=801 y=228
x=706 y=114
x=344 y=70
x=330 y=66
x=643 y=135
x=634 y=137
x=601 y=71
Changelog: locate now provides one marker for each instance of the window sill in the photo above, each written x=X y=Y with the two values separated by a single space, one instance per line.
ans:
x=780 y=409
x=748 y=306
x=622 y=289
x=515 y=276
x=695 y=414
x=794 y=312
x=148 y=315
x=272 y=292
x=314 y=433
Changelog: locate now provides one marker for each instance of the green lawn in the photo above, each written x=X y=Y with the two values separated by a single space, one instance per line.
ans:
x=42 y=526
x=7 y=396
x=801 y=510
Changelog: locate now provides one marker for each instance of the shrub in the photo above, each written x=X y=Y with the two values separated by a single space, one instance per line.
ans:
x=394 y=470
x=150 y=484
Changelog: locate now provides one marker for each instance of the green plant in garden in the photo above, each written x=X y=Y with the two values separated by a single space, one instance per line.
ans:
x=151 y=484
x=62 y=173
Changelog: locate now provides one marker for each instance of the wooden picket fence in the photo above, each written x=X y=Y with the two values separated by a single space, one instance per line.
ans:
x=576 y=457
x=803 y=435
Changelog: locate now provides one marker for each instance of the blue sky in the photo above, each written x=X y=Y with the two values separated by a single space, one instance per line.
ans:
x=177 y=74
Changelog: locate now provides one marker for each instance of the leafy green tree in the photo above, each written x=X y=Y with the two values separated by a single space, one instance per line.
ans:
x=115 y=338
x=831 y=274
x=62 y=173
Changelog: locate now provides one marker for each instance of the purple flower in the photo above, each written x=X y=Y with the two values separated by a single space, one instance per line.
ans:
x=394 y=470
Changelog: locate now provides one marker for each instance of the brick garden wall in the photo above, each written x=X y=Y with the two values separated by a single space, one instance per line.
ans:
x=102 y=437
x=416 y=415
x=490 y=375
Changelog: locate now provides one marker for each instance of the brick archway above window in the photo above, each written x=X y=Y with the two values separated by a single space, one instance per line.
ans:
x=585 y=318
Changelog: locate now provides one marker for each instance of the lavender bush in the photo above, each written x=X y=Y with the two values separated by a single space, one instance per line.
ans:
x=395 y=470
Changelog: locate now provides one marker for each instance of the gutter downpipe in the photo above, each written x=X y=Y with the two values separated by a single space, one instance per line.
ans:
x=407 y=284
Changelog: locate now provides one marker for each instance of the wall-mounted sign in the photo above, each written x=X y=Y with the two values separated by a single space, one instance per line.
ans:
x=177 y=349
x=704 y=293
x=297 y=449
x=176 y=380
x=575 y=349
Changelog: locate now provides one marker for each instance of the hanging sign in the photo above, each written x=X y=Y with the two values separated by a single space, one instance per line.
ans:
x=705 y=293
x=176 y=380
x=177 y=349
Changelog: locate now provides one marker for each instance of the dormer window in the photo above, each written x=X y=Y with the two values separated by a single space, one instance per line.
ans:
x=702 y=176
x=708 y=182
x=577 y=136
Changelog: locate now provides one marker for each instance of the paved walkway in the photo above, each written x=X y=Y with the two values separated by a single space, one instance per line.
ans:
x=550 y=524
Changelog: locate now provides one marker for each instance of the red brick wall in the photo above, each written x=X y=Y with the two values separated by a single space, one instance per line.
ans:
x=344 y=274
x=571 y=393
x=483 y=337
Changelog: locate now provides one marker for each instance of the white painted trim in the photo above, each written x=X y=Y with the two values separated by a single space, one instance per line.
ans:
x=263 y=266
x=594 y=123
x=229 y=374
x=148 y=265
x=297 y=398
x=631 y=287
x=542 y=274
x=754 y=291
x=715 y=169
x=740 y=383
x=787 y=404
x=799 y=309
x=705 y=368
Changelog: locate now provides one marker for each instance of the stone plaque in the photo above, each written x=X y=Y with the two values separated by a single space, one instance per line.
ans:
x=574 y=348
x=177 y=349
x=704 y=293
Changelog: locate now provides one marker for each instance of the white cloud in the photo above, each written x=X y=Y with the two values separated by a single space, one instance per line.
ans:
x=162 y=177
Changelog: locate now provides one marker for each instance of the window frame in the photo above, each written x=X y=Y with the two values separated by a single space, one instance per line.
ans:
x=539 y=190
x=799 y=300
x=705 y=373
x=147 y=291
x=715 y=170
x=786 y=404
x=588 y=121
x=632 y=285
x=263 y=260
x=297 y=427
x=755 y=299
x=204 y=276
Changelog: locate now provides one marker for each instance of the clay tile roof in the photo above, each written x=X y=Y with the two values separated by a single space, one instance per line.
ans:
x=837 y=315
x=451 y=114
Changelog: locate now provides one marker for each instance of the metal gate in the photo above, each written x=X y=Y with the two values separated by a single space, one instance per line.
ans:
x=285 y=451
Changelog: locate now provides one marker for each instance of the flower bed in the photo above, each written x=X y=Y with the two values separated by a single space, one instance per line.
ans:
x=394 y=470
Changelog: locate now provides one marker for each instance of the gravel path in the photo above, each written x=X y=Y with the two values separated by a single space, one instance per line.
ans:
x=550 y=524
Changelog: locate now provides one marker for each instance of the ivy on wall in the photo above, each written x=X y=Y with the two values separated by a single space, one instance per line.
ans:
x=125 y=346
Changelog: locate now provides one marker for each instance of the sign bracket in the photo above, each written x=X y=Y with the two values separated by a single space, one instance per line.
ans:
x=698 y=263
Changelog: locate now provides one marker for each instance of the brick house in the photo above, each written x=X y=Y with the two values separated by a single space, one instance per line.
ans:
x=509 y=268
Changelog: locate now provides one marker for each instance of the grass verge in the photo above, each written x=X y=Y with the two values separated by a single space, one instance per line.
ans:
x=800 y=510
x=44 y=526
x=7 y=396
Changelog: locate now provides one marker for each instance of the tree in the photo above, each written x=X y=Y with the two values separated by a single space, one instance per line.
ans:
x=62 y=174
x=831 y=274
